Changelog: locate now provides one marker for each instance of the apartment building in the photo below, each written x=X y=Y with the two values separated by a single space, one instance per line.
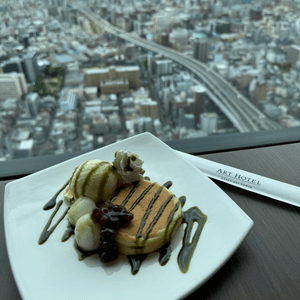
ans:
x=132 y=73
x=12 y=85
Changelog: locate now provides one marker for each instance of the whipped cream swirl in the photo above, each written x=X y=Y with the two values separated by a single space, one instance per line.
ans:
x=129 y=166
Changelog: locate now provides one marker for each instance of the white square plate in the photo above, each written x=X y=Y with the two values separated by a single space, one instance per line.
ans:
x=52 y=270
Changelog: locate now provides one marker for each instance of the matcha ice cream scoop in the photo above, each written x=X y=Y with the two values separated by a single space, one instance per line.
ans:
x=95 y=179
x=99 y=180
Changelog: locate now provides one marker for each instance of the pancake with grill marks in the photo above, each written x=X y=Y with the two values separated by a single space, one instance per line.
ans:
x=157 y=216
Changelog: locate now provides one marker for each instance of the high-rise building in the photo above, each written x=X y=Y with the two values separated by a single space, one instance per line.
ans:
x=53 y=11
x=187 y=4
x=147 y=124
x=201 y=50
x=255 y=13
x=33 y=101
x=259 y=36
x=163 y=38
x=245 y=80
x=67 y=101
x=30 y=67
x=179 y=37
x=293 y=54
x=187 y=121
x=103 y=10
x=14 y=64
x=24 y=39
x=22 y=82
x=163 y=67
x=27 y=65
x=260 y=92
x=150 y=60
x=176 y=105
x=199 y=94
x=138 y=27
x=209 y=122
x=223 y=26
x=69 y=15
x=217 y=9
x=130 y=52
x=283 y=29
x=149 y=108
x=12 y=85
x=164 y=81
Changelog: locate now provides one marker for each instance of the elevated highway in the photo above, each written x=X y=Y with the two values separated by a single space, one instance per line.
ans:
x=245 y=116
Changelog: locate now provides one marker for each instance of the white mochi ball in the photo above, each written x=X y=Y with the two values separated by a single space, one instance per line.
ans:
x=81 y=207
x=87 y=233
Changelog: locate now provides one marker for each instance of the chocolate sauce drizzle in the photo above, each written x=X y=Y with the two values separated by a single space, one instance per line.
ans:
x=191 y=216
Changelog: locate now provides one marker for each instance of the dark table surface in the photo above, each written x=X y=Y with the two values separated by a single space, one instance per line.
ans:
x=267 y=264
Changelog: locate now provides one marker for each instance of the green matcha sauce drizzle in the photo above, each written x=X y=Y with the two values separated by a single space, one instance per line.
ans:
x=136 y=262
x=46 y=233
x=69 y=231
x=52 y=202
x=191 y=216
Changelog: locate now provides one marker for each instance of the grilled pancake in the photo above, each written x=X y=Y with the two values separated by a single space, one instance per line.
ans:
x=157 y=216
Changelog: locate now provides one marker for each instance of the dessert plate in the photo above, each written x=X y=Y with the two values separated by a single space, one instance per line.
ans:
x=52 y=271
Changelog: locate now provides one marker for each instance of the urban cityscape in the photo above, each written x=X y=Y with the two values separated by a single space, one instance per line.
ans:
x=80 y=75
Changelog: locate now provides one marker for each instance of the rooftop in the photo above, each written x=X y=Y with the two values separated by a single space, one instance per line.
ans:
x=64 y=58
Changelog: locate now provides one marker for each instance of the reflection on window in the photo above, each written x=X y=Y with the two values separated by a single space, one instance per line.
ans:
x=78 y=75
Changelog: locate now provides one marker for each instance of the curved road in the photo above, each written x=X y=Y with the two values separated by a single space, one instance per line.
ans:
x=245 y=116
